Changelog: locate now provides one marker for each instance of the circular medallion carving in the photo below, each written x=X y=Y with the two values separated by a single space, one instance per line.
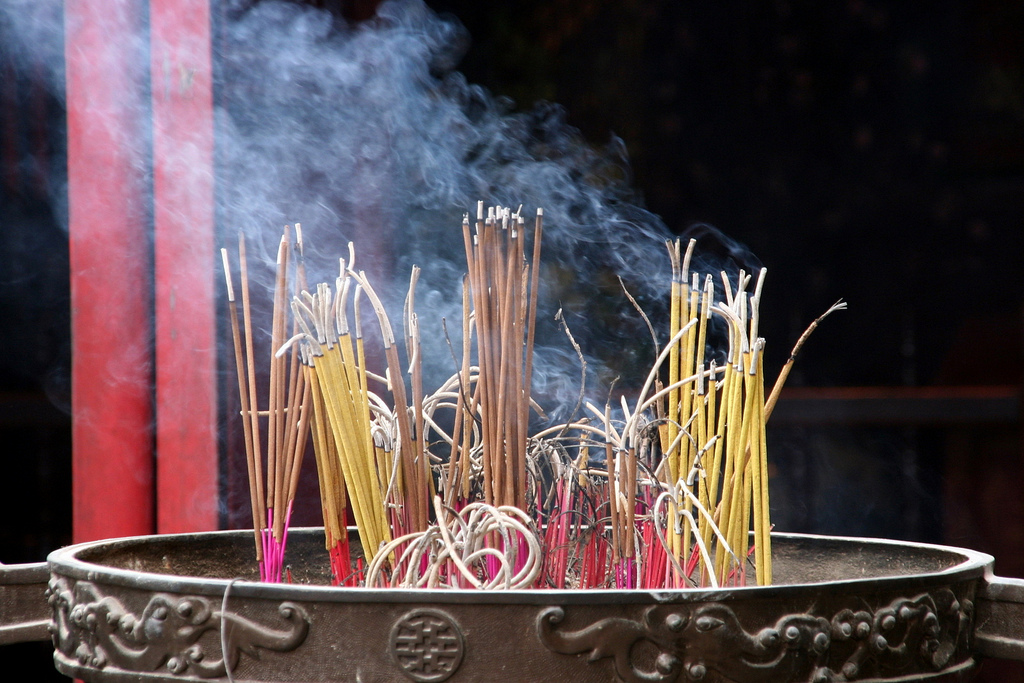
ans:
x=427 y=645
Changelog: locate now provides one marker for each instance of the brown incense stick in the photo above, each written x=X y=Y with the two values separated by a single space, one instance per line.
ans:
x=531 y=330
x=773 y=398
x=253 y=410
x=243 y=399
x=276 y=431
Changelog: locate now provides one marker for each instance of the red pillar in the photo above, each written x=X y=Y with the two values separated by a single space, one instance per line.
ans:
x=144 y=345
x=112 y=465
x=185 y=266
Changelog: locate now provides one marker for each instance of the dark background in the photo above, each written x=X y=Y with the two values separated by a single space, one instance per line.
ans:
x=870 y=151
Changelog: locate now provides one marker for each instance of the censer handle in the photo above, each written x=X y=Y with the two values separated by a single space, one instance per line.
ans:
x=24 y=613
x=999 y=620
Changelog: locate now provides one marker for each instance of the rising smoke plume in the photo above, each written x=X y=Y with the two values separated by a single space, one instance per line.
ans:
x=336 y=126
x=367 y=132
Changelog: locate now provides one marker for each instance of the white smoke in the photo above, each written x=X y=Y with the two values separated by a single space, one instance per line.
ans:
x=330 y=124
x=368 y=132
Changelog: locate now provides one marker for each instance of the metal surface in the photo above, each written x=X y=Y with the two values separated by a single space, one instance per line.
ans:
x=154 y=609
x=188 y=608
x=24 y=614
x=999 y=631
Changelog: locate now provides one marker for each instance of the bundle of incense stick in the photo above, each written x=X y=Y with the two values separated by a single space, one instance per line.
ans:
x=285 y=420
x=348 y=456
x=503 y=287
x=369 y=457
x=668 y=492
x=721 y=418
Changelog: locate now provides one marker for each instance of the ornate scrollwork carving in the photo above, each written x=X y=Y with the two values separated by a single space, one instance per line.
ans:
x=98 y=631
x=909 y=635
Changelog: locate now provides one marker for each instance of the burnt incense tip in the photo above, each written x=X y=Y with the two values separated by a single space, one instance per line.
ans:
x=760 y=284
x=355 y=311
x=227 y=275
x=688 y=255
x=837 y=306
x=756 y=349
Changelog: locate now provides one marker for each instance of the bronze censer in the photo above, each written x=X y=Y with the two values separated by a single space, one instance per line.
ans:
x=190 y=608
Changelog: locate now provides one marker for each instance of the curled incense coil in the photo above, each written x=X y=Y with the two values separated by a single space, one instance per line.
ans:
x=481 y=546
x=673 y=500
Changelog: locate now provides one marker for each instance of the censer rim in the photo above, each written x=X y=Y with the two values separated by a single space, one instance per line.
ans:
x=963 y=565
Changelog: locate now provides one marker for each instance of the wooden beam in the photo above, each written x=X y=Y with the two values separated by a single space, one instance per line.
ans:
x=898 y=406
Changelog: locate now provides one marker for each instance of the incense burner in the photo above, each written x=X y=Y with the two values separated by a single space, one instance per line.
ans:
x=190 y=608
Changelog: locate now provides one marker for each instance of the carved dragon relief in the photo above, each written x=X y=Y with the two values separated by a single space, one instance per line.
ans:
x=98 y=631
x=924 y=634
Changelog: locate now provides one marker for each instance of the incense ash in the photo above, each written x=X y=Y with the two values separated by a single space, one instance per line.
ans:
x=450 y=489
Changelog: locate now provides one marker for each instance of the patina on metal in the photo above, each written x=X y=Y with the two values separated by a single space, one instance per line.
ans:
x=24 y=615
x=190 y=608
